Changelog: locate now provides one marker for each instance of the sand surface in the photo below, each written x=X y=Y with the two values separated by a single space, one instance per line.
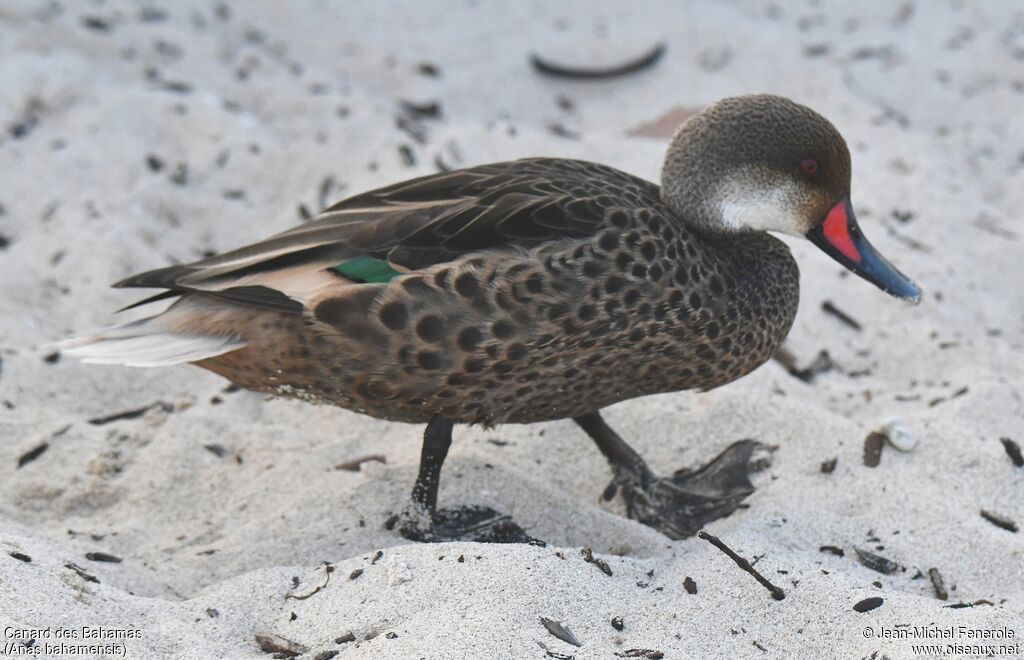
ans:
x=140 y=134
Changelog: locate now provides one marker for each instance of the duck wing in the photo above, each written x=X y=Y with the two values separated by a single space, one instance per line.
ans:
x=411 y=225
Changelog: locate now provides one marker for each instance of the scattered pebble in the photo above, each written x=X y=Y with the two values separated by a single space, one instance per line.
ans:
x=96 y=23
x=873 y=449
x=428 y=69
x=690 y=585
x=899 y=434
x=215 y=449
x=398 y=571
x=103 y=557
x=618 y=623
x=829 y=466
x=868 y=604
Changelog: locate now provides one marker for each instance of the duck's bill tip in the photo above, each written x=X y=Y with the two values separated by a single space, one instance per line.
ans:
x=839 y=236
x=911 y=293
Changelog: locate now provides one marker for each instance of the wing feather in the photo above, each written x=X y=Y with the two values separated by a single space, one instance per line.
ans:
x=415 y=224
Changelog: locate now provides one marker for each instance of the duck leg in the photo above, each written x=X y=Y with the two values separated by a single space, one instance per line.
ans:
x=423 y=521
x=680 y=505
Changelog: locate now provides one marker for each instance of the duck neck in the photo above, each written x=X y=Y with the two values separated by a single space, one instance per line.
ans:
x=693 y=198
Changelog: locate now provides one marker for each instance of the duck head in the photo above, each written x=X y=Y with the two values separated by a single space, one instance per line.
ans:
x=765 y=163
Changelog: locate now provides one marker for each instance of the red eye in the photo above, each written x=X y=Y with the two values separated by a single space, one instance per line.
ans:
x=809 y=166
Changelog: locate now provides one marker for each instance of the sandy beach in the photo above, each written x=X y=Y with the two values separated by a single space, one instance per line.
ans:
x=150 y=513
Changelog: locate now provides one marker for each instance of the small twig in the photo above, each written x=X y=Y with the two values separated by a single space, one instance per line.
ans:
x=777 y=594
x=1000 y=521
x=829 y=308
x=131 y=414
x=81 y=572
x=328 y=569
x=821 y=364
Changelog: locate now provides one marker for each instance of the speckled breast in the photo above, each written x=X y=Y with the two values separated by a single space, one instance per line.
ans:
x=523 y=335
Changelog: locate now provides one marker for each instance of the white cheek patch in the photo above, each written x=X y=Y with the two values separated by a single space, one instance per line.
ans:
x=745 y=202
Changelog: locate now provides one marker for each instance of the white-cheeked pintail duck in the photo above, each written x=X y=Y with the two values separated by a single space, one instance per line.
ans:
x=531 y=290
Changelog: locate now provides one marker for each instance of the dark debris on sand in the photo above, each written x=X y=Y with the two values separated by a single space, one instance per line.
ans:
x=1000 y=521
x=131 y=414
x=588 y=556
x=271 y=643
x=776 y=592
x=1013 y=451
x=548 y=68
x=868 y=604
x=645 y=654
x=938 y=584
x=822 y=363
x=558 y=629
x=876 y=562
x=873 y=449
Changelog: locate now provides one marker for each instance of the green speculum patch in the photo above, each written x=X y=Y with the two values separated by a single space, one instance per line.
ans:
x=366 y=269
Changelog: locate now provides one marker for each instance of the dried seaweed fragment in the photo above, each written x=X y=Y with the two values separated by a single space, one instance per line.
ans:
x=588 y=556
x=563 y=71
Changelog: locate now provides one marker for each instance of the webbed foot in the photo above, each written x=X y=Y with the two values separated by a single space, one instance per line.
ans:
x=423 y=521
x=680 y=505
x=466 y=523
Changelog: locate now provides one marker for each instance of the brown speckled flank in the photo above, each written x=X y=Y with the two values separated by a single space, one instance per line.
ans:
x=603 y=296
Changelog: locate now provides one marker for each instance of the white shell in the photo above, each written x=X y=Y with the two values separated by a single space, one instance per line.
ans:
x=899 y=434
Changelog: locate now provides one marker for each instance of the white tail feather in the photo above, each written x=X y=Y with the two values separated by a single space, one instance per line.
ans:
x=149 y=342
